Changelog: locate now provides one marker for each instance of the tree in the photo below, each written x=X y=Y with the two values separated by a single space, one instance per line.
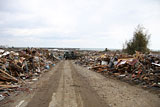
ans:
x=106 y=49
x=139 y=42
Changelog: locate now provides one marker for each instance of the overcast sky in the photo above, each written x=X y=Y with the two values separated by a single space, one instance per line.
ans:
x=77 y=23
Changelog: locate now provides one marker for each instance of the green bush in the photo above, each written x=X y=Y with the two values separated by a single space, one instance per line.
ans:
x=139 y=42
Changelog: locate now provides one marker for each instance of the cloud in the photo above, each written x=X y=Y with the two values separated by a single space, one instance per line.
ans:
x=76 y=23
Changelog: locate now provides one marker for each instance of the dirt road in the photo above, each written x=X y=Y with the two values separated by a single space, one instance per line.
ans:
x=69 y=85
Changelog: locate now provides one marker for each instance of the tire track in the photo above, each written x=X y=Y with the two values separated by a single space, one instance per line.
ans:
x=44 y=95
x=65 y=95
x=89 y=95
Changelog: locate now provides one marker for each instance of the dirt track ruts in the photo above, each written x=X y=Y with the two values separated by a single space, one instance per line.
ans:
x=44 y=94
x=88 y=94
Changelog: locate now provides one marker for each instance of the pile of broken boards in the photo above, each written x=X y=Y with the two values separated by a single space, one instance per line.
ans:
x=142 y=69
x=19 y=65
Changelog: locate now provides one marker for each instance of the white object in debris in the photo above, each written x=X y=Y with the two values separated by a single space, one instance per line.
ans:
x=123 y=75
x=1 y=50
x=156 y=64
x=35 y=79
x=104 y=63
x=122 y=62
x=6 y=53
x=1 y=97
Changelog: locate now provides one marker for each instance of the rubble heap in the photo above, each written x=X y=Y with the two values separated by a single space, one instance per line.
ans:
x=18 y=65
x=139 y=68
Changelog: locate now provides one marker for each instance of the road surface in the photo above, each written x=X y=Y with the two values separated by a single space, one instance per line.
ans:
x=69 y=85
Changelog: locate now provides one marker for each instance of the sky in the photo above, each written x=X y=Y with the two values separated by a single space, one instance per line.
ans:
x=77 y=23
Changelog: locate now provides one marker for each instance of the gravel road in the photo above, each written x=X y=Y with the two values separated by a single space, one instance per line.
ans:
x=70 y=85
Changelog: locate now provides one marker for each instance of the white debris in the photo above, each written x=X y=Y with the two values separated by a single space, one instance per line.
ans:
x=1 y=50
x=156 y=64
x=1 y=97
x=6 y=53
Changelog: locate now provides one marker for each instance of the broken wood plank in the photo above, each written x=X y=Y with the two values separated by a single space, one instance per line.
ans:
x=13 y=78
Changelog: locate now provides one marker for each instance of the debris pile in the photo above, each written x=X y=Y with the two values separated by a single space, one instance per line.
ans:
x=18 y=65
x=139 y=68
